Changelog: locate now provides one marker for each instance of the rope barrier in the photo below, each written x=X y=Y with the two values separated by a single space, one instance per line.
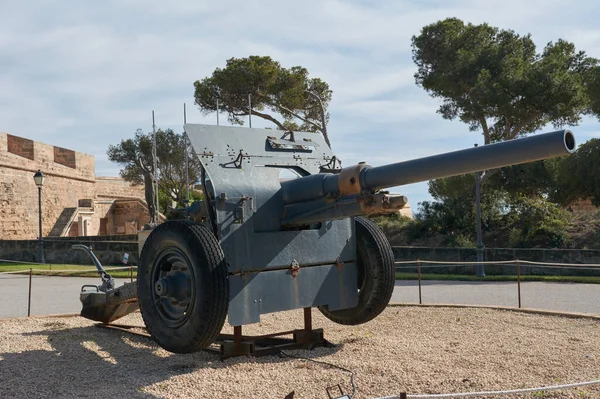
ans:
x=91 y=270
x=545 y=267
x=19 y=261
x=500 y=262
x=16 y=272
x=490 y=393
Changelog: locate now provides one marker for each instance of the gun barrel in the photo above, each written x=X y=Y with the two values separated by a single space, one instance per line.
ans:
x=530 y=149
x=355 y=179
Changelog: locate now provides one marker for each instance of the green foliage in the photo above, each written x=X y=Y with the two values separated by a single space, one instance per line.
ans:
x=464 y=241
x=391 y=222
x=136 y=152
x=497 y=82
x=178 y=212
x=535 y=179
x=594 y=91
x=300 y=100
x=526 y=218
x=452 y=213
x=535 y=221
x=579 y=175
x=494 y=79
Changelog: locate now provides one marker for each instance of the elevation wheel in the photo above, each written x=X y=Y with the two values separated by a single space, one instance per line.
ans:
x=182 y=286
x=376 y=276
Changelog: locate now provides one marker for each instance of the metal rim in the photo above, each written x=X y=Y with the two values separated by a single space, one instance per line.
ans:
x=173 y=286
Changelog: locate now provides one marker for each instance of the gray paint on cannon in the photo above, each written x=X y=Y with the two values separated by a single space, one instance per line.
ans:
x=267 y=227
x=244 y=168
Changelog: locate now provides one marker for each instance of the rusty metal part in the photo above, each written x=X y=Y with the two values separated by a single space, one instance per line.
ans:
x=308 y=319
x=330 y=389
x=295 y=268
x=339 y=264
x=349 y=179
x=237 y=344
x=381 y=203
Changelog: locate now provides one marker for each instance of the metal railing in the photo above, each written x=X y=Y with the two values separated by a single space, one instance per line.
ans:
x=517 y=263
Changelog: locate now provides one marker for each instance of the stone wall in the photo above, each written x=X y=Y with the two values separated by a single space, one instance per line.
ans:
x=500 y=254
x=129 y=216
x=62 y=188
x=114 y=187
x=109 y=252
x=70 y=189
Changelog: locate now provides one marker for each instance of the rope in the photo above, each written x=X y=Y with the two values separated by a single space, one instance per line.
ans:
x=500 y=262
x=70 y=271
x=18 y=261
x=16 y=272
x=281 y=352
x=490 y=393
x=545 y=267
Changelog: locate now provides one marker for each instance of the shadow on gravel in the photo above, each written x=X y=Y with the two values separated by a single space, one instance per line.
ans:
x=89 y=362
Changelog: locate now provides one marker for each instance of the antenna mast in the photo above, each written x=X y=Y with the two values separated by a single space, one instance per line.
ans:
x=156 y=211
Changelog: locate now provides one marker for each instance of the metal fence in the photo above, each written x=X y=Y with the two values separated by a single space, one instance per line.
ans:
x=418 y=266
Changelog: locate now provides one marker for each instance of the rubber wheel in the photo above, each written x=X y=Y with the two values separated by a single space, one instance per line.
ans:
x=376 y=276
x=183 y=290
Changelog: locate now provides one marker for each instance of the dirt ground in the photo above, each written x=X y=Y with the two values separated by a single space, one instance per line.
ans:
x=407 y=349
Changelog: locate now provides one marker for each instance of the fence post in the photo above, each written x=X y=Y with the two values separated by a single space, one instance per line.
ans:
x=419 y=277
x=29 y=296
x=519 y=281
x=131 y=273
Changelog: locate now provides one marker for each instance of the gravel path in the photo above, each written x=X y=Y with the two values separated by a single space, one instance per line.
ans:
x=412 y=349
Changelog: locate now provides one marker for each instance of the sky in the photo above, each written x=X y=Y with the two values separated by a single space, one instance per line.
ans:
x=84 y=75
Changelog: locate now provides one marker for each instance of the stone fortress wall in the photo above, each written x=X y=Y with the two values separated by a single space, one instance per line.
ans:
x=74 y=201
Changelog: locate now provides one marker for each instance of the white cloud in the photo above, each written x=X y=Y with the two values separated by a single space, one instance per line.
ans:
x=85 y=75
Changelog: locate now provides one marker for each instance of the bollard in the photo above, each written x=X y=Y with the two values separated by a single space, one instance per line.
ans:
x=29 y=296
x=419 y=277
x=131 y=273
x=519 y=281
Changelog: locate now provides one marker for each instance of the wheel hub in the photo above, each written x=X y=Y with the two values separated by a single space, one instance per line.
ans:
x=173 y=282
x=173 y=286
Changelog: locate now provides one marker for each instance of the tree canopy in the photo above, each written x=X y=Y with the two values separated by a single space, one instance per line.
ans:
x=594 y=91
x=578 y=175
x=135 y=154
x=496 y=82
x=287 y=97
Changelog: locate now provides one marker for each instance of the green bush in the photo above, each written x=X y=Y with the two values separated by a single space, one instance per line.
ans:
x=537 y=222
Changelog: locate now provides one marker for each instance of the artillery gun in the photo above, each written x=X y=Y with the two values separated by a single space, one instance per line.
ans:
x=262 y=244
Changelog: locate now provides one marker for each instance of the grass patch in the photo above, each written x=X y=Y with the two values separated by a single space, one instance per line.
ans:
x=461 y=277
x=63 y=270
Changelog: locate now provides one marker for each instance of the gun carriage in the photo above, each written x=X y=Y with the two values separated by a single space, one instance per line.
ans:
x=263 y=243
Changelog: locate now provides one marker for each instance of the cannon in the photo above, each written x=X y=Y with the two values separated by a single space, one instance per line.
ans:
x=282 y=227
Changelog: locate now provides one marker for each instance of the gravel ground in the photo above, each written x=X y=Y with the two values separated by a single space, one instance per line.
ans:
x=412 y=349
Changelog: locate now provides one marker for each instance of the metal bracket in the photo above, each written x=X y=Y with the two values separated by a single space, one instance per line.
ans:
x=333 y=165
x=108 y=283
x=339 y=388
x=238 y=161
